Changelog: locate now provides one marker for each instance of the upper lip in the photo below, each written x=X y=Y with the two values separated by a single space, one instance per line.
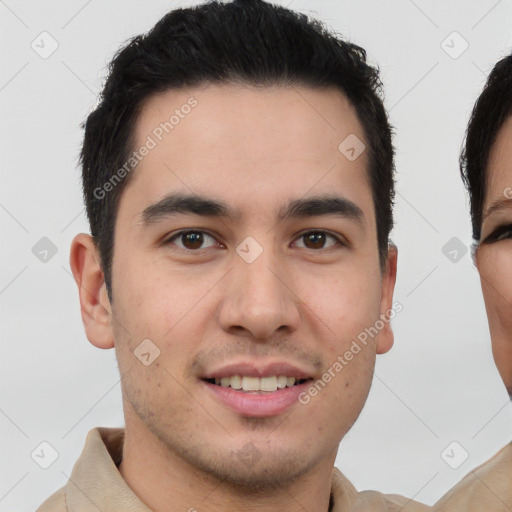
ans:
x=258 y=369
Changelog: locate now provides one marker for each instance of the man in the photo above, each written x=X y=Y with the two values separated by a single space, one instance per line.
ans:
x=486 y=167
x=238 y=179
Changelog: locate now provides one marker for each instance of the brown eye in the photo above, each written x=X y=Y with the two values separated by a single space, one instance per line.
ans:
x=317 y=239
x=190 y=240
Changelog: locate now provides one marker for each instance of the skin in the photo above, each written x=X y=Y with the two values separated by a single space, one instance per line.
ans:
x=255 y=149
x=494 y=259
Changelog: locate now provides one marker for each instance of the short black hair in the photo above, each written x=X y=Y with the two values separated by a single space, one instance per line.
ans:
x=492 y=108
x=244 y=41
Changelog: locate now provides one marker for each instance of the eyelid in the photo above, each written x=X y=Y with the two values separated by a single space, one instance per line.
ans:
x=169 y=239
x=499 y=230
x=339 y=239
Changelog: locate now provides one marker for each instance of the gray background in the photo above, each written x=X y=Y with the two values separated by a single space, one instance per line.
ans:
x=437 y=385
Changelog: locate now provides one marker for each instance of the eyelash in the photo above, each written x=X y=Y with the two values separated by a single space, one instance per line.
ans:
x=496 y=234
x=339 y=242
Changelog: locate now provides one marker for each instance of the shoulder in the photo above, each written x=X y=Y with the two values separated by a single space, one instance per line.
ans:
x=348 y=498
x=487 y=487
x=377 y=501
x=55 y=503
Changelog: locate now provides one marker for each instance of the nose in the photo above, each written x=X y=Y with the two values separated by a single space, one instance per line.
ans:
x=258 y=300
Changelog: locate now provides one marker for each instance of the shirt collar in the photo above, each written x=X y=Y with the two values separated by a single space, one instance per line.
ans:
x=96 y=484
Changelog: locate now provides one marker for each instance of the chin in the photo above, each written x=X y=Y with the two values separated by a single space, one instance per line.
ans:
x=261 y=477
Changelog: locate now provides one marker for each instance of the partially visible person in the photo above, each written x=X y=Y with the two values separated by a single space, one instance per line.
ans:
x=486 y=167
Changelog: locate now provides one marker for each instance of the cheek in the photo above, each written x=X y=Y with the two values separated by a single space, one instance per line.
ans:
x=153 y=299
x=496 y=277
x=349 y=308
x=499 y=314
x=350 y=301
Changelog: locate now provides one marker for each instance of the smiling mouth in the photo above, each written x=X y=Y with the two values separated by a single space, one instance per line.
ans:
x=257 y=384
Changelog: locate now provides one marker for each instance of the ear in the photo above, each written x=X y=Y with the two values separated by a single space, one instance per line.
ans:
x=386 y=337
x=95 y=306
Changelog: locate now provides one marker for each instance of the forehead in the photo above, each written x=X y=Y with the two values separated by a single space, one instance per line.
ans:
x=247 y=142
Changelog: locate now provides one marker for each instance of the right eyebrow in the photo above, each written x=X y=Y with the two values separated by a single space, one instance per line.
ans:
x=186 y=203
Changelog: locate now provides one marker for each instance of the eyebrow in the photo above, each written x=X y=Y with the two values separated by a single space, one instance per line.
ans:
x=500 y=204
x=178 y=203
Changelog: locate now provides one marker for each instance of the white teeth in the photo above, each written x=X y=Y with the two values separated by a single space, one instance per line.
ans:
x=236 y=382
x=268 y=383
x=250 y=383
x=282 y=381
x=272 y=383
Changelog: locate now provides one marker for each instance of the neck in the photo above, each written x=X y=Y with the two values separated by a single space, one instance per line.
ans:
x=166 y=482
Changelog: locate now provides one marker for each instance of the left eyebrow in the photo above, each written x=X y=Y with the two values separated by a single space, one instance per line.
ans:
x=178 y=203
x=322 y=205
x=500 y=204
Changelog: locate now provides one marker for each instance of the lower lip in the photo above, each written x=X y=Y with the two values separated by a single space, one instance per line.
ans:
x=258 y=404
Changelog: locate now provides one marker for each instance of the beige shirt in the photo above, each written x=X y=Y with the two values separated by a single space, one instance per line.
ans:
x=96 y=485
x=488 y=488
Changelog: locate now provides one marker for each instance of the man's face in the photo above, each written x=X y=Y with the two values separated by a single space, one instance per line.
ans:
x=494 y=255
x=250 y=295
